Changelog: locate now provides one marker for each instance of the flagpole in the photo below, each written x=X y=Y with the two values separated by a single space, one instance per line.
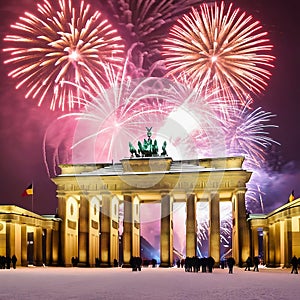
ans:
x=32 y=197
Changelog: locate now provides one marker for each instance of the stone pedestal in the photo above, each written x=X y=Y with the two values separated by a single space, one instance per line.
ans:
x=146 y=164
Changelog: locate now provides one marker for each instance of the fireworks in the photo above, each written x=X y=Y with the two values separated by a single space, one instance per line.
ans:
x=118 y=115
x=247 y=135
x=223 y=49
x=71 y=56
x=144 y=25
x=65 y=44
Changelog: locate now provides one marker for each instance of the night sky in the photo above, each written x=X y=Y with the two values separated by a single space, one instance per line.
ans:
x=23 y=123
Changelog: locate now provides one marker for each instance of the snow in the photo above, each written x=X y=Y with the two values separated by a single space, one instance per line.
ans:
x=150 y=283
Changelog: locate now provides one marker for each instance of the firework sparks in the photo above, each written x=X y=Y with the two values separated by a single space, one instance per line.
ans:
x=203 y=122
x=67 y=43
x=203 y=227
x=118 y=114
x=144 y=24
x=223 y=49
x=247 y=135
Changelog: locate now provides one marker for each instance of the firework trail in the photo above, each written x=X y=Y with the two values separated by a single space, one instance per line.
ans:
x=247 y=135
x=144 y=25
x=118 y=115
x=63 y=42
x=255 y=195
x=203 y=227
x=202 y=121
x=57 y=144
x=112 y=117
x=222 y=48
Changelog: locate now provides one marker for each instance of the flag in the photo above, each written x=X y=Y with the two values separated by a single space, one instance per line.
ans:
x=28 y=191
x=292 y=196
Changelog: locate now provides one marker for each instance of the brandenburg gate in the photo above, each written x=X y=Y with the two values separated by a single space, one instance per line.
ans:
x=89 y=196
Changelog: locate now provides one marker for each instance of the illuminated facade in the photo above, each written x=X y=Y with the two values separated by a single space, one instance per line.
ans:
x=34 y=239
x=279 y=234
x=89 y=197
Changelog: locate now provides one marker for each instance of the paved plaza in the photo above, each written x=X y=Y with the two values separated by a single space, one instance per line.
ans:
x=151 y=283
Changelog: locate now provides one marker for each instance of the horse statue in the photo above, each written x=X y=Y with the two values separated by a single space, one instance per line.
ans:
x=164 y=151
x=147 y=148
x=155 y=148
x=133 y=150
x=140 y=148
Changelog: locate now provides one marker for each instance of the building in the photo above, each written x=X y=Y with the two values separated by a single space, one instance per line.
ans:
x=34 y=239
x=89 y=196
x=276 y=236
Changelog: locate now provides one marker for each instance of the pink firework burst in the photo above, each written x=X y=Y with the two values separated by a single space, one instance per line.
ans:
x=246 y=134
x=221 y=47
x=117 y=115
x=63 y=42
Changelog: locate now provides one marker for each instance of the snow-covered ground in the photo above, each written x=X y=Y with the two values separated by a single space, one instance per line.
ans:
x=151 y=283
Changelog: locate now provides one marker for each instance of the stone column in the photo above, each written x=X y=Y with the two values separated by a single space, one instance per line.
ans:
x=287 y=242
x=48 y=254
x=94 y=230
x=272 y=245
x=278 y=239
x=136 y=247
x=191 y=226
x=254 y=236
x=62 y=213
x=83 y=234
x=114 y=235
x=10 y=239
x=38 y=246
x=56 y=258
x=214 y=227
x=105 y=231
x=166 y=235
x=23 y=258
x=127 y=230
x=241 y=236
x=266 y=245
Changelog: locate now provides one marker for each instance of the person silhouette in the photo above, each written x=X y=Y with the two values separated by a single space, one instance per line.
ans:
x=14 y=261
x=256 y=263
x=230 y=264
x=248 y=264
x=8 y=262
x=294 y=262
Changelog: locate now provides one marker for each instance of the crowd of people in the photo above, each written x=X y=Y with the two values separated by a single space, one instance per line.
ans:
x=252 y=263
x=190 y=264
x=8 y=262
x=136 y=263
x=203 y=264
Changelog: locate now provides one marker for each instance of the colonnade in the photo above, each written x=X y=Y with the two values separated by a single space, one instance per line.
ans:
x=280 y=234
x=33 y=239
x=92 y=234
